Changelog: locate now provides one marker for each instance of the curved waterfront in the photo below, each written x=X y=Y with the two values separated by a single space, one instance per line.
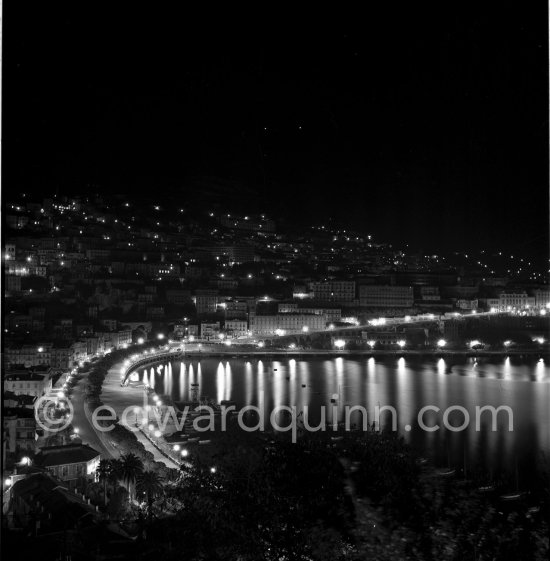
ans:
x=407 y=384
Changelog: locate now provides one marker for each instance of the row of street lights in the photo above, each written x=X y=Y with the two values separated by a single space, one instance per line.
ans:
x=441 y=343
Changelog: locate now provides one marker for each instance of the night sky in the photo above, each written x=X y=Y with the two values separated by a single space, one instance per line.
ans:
x=420 y=127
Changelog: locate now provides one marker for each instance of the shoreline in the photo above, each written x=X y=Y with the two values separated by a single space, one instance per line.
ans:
x=120 y=397
x=146 y=361
x=402 y=352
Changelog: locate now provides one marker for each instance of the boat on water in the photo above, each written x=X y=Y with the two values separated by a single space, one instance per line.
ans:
x=511 y=497
x=445 y=472
x=515 y=496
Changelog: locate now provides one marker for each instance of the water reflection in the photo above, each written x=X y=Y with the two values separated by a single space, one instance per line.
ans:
x=406 y=384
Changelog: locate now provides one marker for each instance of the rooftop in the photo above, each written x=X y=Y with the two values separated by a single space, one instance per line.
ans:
x=67 y=454
x=25 y=377
x=43 y=489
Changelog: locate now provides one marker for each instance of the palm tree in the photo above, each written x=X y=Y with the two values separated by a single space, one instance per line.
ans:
x=104 y=473
x=131 y=467
x=109 y=472
x=149 y=483
x=115 y=473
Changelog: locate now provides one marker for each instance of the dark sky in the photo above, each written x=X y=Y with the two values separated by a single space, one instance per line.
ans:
x=422 y=127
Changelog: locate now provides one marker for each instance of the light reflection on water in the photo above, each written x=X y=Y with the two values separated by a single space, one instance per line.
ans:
x=406 y=384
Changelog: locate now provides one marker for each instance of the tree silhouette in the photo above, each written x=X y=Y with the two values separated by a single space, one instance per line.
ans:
x=149 y=484
x=131 y=467
x=103 y=473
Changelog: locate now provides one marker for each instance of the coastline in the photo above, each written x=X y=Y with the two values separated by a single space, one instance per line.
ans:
x=336 y=353
x=130 y=396
x=215 y=350
x=121 y=398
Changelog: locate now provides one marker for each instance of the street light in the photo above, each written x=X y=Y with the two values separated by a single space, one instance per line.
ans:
x=160 y=336
x=339 y=343
x=158 y=434
x=507 y=343
x=475 y=343
x=212 y=470
x=371 y=343
x=305 y=329
x=185 y=453
x=140 y=341
x=176 y=447
x=441 y=343
x=401 y=343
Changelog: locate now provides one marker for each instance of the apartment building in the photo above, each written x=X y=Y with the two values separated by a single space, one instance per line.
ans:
x=287 y=322
x=333 y=291
x=385 y=296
